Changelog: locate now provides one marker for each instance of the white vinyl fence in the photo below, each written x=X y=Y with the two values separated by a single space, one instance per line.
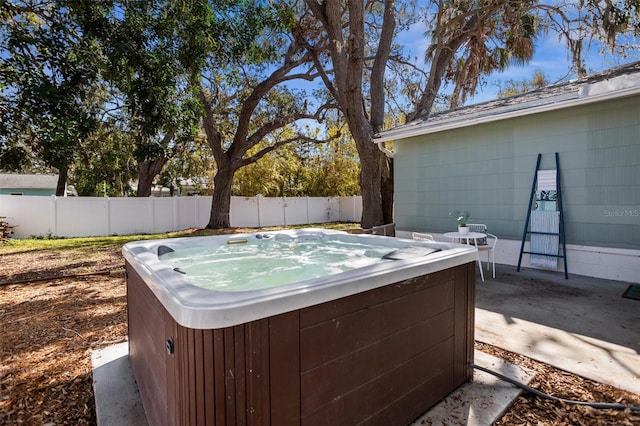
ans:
x=96 y=216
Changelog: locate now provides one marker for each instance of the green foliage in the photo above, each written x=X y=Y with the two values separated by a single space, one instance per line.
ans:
x=613 y=19
x=155 y=53
x=107 y=163
x=145 y=44
x=304 y=169
x=514 y=87
x=94 y=86
x=48 y=69
x=194 y=167
x=461 y=217
x=474 y=39
x=13 y=158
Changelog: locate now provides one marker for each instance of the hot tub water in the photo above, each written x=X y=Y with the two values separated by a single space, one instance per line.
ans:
x=268 y=262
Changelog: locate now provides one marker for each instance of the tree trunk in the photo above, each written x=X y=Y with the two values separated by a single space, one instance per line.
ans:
x=386 y=188
x=221 y=203
x=347 y=53
x=371 y=195
x=61 y=186
x=147 y=172
x=370 y=175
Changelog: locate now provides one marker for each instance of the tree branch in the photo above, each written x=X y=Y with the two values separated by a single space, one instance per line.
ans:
x=249 y=105
x=276 y=145
x=380 y=64
x=279 y=123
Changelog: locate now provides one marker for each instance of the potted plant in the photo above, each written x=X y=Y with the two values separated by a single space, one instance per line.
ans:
x=462 y=218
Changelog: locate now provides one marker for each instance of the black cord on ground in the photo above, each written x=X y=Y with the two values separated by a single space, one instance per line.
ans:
x=599 y=405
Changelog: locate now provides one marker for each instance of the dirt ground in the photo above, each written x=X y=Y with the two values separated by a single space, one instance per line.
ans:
x=56 y=307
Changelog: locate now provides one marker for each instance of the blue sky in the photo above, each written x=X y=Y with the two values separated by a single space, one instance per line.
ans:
x=551 y=57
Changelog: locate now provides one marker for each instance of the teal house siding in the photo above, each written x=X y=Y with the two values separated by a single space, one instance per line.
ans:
x=28 y=191
x=487 y=169
x=27 y=184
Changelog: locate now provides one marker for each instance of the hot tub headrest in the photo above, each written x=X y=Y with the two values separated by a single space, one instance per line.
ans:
x=164 y=250
x=410 y=253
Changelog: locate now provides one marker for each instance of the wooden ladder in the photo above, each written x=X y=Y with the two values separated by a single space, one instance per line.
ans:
x=561 y=233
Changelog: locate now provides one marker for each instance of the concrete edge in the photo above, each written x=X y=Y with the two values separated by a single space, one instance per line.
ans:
x=116 y=393
x=481 y=401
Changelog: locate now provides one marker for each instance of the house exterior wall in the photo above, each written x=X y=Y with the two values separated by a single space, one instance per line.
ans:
x=487 y=169
x=28 y=191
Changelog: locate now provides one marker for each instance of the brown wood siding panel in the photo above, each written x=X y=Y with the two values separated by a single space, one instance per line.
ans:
x=240 y=363
x=146 y=353
x=183 y=357
x=336 y=308
x=201 y=379
x=464 y=326
x=147 y=318
x=327 y=389
x=284 y=348
x=383 y=397
x=199 y=396
x=257 y=372
x=236 y=374
x=220 y=377
x=412 y=405
x=189 y=397
x=389 y=354
x=173 y=378
x=208 y=373
x=343 y=334
x=333 y=380
x=470 y=320
x=264 y=379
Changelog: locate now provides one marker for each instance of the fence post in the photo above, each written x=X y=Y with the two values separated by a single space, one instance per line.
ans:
x=175 y=212
x=284 y=210
x=53 y=217
x=108 y=207
x=150 y=204
x=196 y=215
x=258 y=208
x=353 y=211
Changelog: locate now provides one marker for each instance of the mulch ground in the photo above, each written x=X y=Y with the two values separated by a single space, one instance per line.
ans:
x=54 y=313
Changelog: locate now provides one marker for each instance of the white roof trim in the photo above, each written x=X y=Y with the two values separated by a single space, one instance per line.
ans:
x=615 y=84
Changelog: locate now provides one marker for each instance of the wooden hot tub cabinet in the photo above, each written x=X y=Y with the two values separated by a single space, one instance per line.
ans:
x=383 y=357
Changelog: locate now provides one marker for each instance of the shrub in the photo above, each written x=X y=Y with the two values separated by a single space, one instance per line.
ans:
x=5 y=230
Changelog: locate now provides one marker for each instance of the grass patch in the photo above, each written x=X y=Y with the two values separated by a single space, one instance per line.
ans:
x=85 y=244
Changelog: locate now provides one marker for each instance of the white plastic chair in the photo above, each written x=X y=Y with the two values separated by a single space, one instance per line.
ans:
x=423 y=237
x=388 y=230
x=477 y=227
x=488 y=245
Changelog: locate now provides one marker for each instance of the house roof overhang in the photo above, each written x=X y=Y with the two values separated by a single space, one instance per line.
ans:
x=28 y=181
x=613 y=84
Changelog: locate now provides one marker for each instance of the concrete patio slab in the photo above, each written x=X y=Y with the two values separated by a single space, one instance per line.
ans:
x=582 y=325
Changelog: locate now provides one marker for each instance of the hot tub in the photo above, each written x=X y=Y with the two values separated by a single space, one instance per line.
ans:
x=377 y=335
